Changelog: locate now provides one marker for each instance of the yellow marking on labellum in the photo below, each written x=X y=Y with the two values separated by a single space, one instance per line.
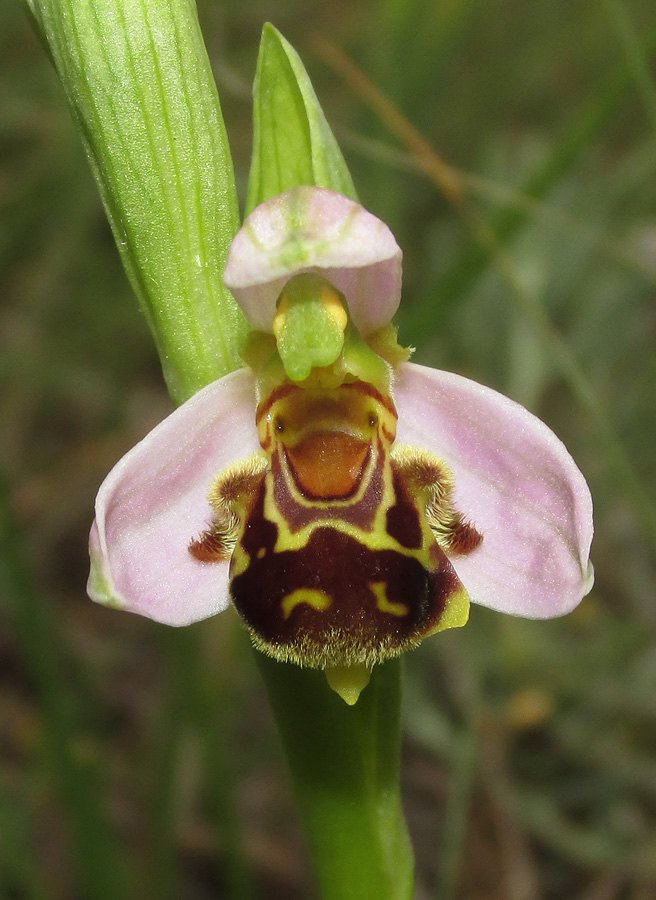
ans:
x=329 y=452
x=348 y=681
x=455 y=614
x=319 y=600
x=240 y=562
x=379 y=589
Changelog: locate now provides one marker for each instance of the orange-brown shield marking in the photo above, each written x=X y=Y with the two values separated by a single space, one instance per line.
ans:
x=328 y=464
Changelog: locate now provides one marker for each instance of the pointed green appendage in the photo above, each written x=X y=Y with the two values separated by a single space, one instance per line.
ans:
x=98 y=587
x=292 y=142
x=343 y=759
x=142 y=94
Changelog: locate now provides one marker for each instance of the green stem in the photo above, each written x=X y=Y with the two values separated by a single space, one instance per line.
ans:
x=344 y=763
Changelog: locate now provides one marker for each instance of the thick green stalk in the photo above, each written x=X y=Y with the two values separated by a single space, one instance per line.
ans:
x=344 y=763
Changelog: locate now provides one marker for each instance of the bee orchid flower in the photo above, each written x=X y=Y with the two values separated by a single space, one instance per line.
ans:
x=349 y=503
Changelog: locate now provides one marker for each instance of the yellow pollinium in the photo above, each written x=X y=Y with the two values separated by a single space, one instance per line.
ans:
x=349 y=681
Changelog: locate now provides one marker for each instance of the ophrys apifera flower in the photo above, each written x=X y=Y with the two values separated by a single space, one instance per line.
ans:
x=348 y=502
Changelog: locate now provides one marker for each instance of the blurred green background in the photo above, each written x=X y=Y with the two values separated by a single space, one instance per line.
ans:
x=138 y=761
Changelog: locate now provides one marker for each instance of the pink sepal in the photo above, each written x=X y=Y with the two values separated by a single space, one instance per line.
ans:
x=515 y=481
x=154 y=501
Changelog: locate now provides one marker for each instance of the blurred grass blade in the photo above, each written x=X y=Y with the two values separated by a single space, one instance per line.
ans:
x=475 y=257
x=636 y=57
x=19 y=877
x=462 y=773
x=215 y=702
x=179 y=649
x=195 y=704
x=100 y=869
x=292 y=142
x=142 y=94
x=433 y=31
x=589 y=844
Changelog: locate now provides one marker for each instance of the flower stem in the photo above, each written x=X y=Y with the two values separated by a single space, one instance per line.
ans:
x=344 y=763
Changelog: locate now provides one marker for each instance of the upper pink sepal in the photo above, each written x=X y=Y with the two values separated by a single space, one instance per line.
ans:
x=154 y=501
x=515 y=482
x=307 y=229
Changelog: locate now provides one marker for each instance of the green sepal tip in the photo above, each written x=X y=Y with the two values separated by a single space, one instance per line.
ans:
x=292 y=141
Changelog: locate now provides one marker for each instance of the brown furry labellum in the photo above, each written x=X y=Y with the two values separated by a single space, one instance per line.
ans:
x=337 y=538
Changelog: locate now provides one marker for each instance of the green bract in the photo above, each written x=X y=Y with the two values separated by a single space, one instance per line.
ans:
x=141 y=92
